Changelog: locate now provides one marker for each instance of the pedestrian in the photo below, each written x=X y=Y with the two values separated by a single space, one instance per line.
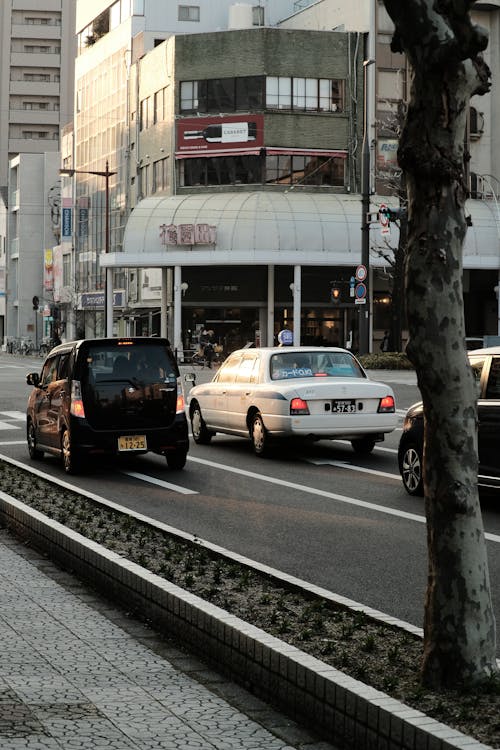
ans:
x=384 y=344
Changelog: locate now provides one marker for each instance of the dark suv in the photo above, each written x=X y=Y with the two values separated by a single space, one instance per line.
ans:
x=107 y=396
x=485 y=365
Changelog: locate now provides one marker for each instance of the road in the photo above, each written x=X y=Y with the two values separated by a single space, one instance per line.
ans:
x=323 y=514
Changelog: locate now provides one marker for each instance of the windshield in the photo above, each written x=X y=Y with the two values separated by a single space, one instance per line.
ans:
x=142 y=365
x=320 y=364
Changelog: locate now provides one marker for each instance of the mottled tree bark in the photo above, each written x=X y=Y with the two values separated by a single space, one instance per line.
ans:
x=444 y=50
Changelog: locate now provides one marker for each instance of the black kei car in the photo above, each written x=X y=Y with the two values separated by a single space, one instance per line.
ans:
x=115 y=396
x=485 y=364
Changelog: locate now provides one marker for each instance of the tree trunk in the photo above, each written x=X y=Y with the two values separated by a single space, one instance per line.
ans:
x=446 y=69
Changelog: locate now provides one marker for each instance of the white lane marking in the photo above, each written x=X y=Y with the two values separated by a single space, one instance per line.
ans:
x=9 y=426
x=13 y=442
x=159 y=482
x=242 y=472
x=352 y=467
x=323 y=493
x=14 y=414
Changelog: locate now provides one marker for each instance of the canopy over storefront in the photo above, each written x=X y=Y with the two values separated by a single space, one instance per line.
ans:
x=280 y=228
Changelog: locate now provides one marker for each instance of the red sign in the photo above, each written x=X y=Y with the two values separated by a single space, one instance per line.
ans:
x=199 y=136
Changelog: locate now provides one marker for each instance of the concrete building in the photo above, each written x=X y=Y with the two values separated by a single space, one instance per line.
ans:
x=37 y=46
x=110 y=37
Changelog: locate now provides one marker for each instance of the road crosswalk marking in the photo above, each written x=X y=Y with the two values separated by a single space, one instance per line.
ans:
x=17 y=416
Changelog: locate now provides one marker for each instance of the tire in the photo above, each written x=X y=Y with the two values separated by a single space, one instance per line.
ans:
x=259 y=436
x=363 y=446
x=201 y=435
x=70 y=459
x=35 y=453
x=176 y=459
x=411 y=470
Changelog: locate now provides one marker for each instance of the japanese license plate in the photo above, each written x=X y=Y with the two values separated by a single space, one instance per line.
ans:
x=347 y=406
x=132 y=443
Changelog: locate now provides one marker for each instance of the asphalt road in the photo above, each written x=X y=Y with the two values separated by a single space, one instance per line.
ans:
x=322 y=514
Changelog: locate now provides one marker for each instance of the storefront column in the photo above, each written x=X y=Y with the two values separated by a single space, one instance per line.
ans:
x=164 y=304
x=178 y=309
x=297 y=303
x=270 y=307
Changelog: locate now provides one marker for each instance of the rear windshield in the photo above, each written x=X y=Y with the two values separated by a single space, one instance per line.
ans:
x=140 y=364
x=290 y=365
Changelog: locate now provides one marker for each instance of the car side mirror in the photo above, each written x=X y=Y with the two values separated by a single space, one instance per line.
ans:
x=33 y=378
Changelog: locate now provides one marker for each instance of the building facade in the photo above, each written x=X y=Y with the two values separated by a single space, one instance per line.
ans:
x=37 y=46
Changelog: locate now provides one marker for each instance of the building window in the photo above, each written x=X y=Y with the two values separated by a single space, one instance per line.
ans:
x=66 y=269
x=37 y=49
x=304 y=170
x=37 y=21
x=160 y=106
x=145 y=120
x=35 y=105
x=305 y=94
x=189 y=13
x=35 y=134
x=160 y=175
x=222 y=95
x=41 y=77
x=258 y=15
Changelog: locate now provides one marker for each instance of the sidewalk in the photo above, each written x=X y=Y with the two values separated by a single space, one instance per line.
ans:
x=76 y=672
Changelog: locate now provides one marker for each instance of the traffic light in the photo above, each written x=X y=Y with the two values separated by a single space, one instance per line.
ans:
x=36 y=302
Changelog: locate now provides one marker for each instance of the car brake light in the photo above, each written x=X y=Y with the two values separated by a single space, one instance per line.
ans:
x=76 y=408
x=298 y=406
x=179 y=407
x=387 y=404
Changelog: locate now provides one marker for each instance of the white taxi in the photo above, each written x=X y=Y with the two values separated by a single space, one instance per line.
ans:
x=311 y=393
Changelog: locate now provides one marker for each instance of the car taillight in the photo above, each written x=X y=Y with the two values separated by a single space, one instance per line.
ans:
x=386 y=404
x=179 y=407
x=76 y=407
x=298 y=406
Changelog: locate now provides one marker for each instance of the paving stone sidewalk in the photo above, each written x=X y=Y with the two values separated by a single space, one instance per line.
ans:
x=76 y=672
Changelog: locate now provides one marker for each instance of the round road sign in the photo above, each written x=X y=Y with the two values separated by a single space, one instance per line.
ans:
x=361 y=273
x=360 y=291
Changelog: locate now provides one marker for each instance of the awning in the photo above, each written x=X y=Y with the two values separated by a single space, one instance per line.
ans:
x=266 y=227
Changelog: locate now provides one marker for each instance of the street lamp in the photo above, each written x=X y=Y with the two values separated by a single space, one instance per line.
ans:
x=108 y=289
x=364 y=321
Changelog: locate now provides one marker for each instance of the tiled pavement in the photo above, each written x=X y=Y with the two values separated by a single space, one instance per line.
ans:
x=76 y=672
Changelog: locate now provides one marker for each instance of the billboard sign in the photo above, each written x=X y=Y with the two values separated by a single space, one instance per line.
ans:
x=201 y=136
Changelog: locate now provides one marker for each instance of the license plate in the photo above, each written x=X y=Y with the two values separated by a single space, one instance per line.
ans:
x=344 y=407
x=132 y=443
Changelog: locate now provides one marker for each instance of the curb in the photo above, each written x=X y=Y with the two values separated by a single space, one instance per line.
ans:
x=341 y=709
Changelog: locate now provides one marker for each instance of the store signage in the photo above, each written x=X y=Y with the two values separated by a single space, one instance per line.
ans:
x=188 y=234
x=67 y=222
x=96 y=299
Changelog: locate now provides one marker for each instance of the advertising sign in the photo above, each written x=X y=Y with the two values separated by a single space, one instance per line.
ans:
x=198 y=136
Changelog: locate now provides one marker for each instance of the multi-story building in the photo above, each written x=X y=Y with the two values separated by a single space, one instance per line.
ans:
x=247 y=140
x=36 y=95
x=111 y=35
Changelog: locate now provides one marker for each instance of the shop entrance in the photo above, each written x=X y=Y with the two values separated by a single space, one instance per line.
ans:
x=232 y=328
x=321 y=326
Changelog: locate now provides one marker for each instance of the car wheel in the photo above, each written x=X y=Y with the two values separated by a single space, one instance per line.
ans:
x=70 y=458
x=35 y=453
x=259 y=436
x=363 y=446
x=201 y=435
x=411 y=470
x=176 y=459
